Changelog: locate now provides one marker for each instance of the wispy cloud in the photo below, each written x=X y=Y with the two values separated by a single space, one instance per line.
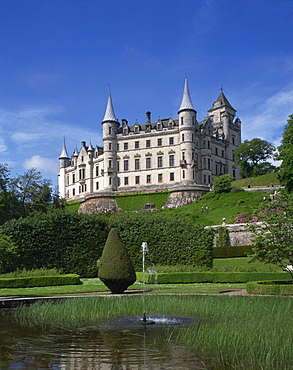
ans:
x=271 y=118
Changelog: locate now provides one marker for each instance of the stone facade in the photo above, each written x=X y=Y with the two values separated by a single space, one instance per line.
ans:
x=238 y=234
x=166 y=154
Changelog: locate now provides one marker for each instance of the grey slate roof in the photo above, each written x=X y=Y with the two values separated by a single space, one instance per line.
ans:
x=186 y=100
x=109 y=114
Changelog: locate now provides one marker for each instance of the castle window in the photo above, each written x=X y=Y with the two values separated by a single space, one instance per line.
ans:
x=110 y=163
x=204 y=163
x=216 y=151
x=67 y=180
x=110 y=146
x=159 y=142
x=110 y=180
x=192 y=137
x=73 y=178
x=97 y=185
x=209 y=163
x=148 y=162
x=183 y=174
x=117 y=147
x=209 y=144
x=223 y=153
x=160 y=177
x=148 y=144
x=81 y=173
x=97 y=170
x=234 y=174
x=204 y=144
x=148 y=179
x=193 y=120
x=136 y=144
x=171 y=140
x=110 y=130
x=181 y=120
x=82 y=158
x=125 y=180
x=125 y=146
x=73 y=191
x=233 y=140
x=160 y=161
x=171 y=160
x=136 y=180
x=118 y=181
x=182 y=137
x=126 y=165
x=172 y=176
x=233 y=158
x=204 y=179
x=183 y=156
x=137 y=164
x=136 y=129
x=118 y=166
x=125 y=131
x=159 y=126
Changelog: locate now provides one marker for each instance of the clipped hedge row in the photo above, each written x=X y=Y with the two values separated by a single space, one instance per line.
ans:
x=270 y=287
x=36 y=281
x=211 y=277
x=231 y=252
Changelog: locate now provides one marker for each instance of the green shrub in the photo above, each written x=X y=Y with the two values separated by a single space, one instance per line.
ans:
x=69 y=242
x=70 y=279
x=214 y=277
x=171 y=241
x=270 y=287
x=116 y=270
x=229 y=252
x=222 y=237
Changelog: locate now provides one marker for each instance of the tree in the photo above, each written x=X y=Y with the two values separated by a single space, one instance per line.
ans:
x=116 y=269
x=286 y=156
x=8 y=254
x=273 y=239
x=252 y=157
x=222 y=183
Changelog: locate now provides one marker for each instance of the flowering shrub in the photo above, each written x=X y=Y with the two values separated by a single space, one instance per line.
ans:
x=244 y=217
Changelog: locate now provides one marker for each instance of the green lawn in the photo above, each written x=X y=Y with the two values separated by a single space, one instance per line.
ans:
x=219 y=207
x=95 y=286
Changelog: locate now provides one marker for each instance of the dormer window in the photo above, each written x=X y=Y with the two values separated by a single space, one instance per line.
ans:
x=136 y=129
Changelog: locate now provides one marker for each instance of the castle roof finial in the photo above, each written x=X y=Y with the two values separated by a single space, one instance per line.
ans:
x=64 y=154
x=186 y=100
x=109 y=114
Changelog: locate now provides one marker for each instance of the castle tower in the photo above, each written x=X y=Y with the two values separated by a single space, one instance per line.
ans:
x=187 y=128
x=110 y=126
x=63 y=163
x=222 y=114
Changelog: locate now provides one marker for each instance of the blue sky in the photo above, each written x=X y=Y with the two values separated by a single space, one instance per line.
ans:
x=58 y=57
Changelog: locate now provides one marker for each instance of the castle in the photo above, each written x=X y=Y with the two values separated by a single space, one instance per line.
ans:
x=167 y=154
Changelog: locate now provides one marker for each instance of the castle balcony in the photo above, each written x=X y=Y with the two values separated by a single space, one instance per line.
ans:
x=193 y=163
x=110 y=170
x=183 y=163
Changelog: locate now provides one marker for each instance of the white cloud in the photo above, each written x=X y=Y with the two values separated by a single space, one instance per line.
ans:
x=270 y=119
x=47 y=166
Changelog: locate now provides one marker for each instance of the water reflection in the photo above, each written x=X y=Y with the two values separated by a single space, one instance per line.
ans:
x=91 y=348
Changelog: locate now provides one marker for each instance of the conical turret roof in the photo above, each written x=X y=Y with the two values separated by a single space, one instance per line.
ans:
x=64 y=154
x=221 y=101
x=186 y=100
x=109 y=114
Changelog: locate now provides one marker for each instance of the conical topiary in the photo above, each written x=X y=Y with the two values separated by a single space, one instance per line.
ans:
x=116 y=270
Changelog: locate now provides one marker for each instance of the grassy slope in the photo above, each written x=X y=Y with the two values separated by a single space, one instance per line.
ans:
x=264 y=180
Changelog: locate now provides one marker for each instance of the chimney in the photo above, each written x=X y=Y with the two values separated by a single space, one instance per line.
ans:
x=148 y=118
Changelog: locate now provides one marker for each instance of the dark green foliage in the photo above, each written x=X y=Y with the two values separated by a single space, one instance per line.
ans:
x=70 y=279
x=286 y=156
x=223 y=236
x=171 y=241
x=223 y=183
x=72 y=243
x=215 y=277
x=8 y=254
x=230 y=252
x=116 y=270
x=252 y=157
x=270 y=287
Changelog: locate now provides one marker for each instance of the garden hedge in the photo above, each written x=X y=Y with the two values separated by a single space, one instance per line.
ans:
x=211 y=277
x=270 y=287
x=36 y=281
x=231 y=252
